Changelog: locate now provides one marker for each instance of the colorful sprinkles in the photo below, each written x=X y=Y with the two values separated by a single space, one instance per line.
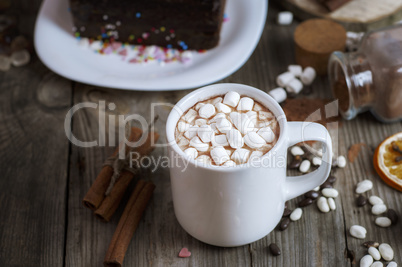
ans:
x=106 y=44
x=139 y=53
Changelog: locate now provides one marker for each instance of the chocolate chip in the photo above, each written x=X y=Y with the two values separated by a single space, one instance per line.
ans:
x=274 y=249
x=284 y=224
x=361 y=201
x=305 y=202
x=295 y=162
x=312 y=194
x=392 y=215
x=368 y=244
x=286 y=212
x=331 y=179
x=326 y=184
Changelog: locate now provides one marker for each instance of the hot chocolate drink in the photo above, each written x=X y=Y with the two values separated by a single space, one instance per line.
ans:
x=227 y=130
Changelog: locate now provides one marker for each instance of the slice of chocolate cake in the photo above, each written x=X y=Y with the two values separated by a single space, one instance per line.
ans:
x=181 y=24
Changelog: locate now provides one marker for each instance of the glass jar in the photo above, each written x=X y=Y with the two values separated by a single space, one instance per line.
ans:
x=371 y=77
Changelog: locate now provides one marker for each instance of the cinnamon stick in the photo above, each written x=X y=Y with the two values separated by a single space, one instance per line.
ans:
x=128 y=223
x=111 y=202
x=96 y=193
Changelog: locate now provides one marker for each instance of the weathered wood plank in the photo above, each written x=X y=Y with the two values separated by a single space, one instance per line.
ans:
x=33 y=162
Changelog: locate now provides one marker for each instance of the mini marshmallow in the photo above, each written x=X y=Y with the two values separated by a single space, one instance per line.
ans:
x=245 y=103
x=198 y=144
x=222 y=108
x=204 y=160
x=235 y=138
x=183 y=142
x=200 y=122
x=267 y=134
x=284 y=79
x=205 y=133
x=229 y=163
x=217 y=117
x=231 y=99
x=317 y=161
x=219 y=140
x=216 y=100
x=224 y=125
x=191 y=132
x=207 y=111
x=252 y=115
x=198 y=106
x=190 y=115
x=257 y=107
x=182 y=126
x=264 y=124
x=219 y=155
x=278 y=94
x=254 y=140
x=191 y=152
x=263 y=115
x=213 y=126
x=285 y=18
x=240 y=155
x=308 y=76
x=296 y=70
x=294 y=86
x=229 y=152
x=242 y=122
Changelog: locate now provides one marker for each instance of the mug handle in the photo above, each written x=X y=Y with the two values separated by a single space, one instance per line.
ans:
x=308 y=131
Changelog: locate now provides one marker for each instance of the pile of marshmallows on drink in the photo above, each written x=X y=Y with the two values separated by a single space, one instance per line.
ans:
x=293 y=81
x=227 y=131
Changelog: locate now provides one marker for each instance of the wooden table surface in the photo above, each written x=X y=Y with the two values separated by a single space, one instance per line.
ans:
x=44 y=177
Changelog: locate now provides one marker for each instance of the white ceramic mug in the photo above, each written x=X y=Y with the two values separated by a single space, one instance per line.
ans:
x=234 y=206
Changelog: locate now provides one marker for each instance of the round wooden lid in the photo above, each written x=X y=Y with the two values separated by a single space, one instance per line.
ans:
x=315 y=40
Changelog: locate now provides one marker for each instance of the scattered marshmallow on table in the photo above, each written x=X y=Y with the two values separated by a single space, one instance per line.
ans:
x=296 y=70
x=198 y=144
x=219 y=155
x=278 y=94
x=294 y=86
x=322 y=204
x=374 y=200
x=366 y=261
x=231 y=99
x=240 y=155
x=364 y=186
x=285 y=18
x=284 y=79
x=383 y=221
x=374 y=253
x=207 y=111
x=341 y=162
x=386 y=251
x=235 y=138
x=254 y=140
x=308 y=76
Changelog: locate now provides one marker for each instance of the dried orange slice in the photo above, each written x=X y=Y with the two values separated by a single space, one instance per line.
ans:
x=388 y=161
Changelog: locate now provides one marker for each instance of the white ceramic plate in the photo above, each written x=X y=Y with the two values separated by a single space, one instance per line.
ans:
x=58 y=49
